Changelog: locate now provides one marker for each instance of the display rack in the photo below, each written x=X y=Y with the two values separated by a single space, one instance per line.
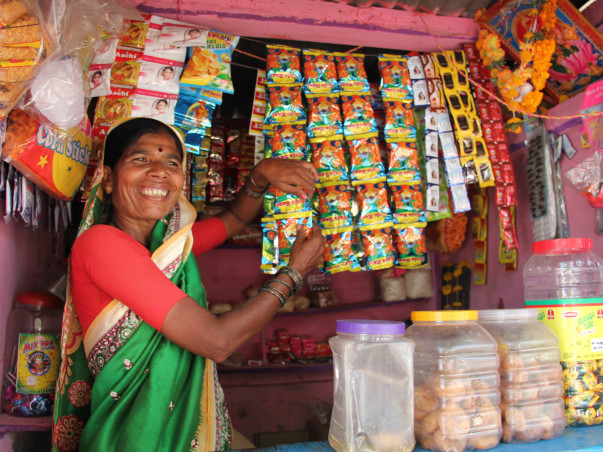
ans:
x=20 y=424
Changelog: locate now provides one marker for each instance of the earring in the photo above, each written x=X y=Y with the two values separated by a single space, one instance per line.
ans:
x=108 y=190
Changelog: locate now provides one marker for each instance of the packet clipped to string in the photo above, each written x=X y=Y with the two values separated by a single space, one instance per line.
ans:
x=329 y=161
x=158 y=74
x=351 y=73
x=320 y=72
x=411 y=246
x=289 y=142
x=399 y=121
x=156 y=47
x=378 y=246
x=408 y=204
x=373 y=204
x=286 y=105
x=324 y=117
x=283 y=65
x=403 y=164
x=335 y=205
x=287 y=233
x=358 y=116
x=125 y=68
x=154 y=104
x=339 y=253
x=365 y=159
x=180 y=34
x=395 y=79
x=136 y=34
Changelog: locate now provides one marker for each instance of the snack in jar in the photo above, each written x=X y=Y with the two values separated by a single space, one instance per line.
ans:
x=373 y=391
x=531 y=383
x=456 y=382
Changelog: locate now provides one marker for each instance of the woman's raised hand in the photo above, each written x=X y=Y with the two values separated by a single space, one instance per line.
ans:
x=291 y=176
x=307 y=252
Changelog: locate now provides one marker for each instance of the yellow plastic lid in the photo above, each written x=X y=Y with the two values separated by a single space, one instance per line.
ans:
x=442 y=316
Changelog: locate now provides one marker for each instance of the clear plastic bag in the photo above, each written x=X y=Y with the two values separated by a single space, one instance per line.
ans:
x=587 y=178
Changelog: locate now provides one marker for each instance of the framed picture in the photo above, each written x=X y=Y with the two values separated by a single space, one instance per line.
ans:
x=578 y=57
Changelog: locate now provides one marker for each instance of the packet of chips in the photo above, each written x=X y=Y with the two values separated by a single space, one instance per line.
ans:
x=324 y=117
x=399 y=121
x=283 y=65
x=351 y=73
x=329 y=161
x=287 y=233
x=289 y=142
x=408 y=204
x=269 y=262
x=373 y=205
x=378 y=248
x=403 y=162
x=411 y=246
x=193 y=113
x=287 y=203
x=339 y=255
x=320 y=73
x=365 y=159
x=358 y=116
x=286 y=106
x=335 y=205
x=395 y=79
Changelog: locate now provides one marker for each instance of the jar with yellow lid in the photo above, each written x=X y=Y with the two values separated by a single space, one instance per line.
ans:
x=456 y=382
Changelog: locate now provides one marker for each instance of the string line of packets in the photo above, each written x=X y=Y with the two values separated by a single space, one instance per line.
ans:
x=341 y=137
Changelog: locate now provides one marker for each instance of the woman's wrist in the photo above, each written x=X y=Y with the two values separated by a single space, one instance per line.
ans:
x=257 y=179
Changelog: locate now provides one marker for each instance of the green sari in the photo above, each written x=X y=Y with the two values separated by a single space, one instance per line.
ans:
x=124 y=386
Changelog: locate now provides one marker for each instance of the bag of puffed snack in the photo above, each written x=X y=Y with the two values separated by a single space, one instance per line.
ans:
x=378 y=246
x=320 y=74
x=324 y=117
x=351 y=74
x=283 y=65
x=329 y=161
x=339 y=254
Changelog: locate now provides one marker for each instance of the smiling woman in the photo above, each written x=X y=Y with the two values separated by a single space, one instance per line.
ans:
x=135 y=297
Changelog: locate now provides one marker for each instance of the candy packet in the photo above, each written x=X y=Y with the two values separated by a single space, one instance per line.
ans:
x=320 y=73
x=399 y=121
x=286 y=204
x=191 y=113
x=329 y=161
x=408 y=204
x=269 y=262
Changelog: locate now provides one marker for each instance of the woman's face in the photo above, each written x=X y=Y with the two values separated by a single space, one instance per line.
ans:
x=146 y=181
x=96 y=79
x=167 y=73
x=161 y=107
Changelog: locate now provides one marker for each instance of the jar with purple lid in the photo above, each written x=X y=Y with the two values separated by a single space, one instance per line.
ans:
x=32 y=355
x=373 y=387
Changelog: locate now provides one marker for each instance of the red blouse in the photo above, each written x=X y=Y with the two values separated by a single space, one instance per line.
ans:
x=107 y=263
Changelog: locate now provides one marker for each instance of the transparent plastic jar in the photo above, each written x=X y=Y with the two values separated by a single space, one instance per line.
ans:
x=563 y=279
x=32 y=355
x=531 y=382
x=456 y=382
x=373 y=390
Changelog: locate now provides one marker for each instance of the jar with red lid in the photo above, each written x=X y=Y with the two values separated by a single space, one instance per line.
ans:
x=32 y=354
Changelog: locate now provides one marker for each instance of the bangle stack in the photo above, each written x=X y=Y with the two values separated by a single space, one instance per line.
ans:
x=295 y=276
x=274 y=291
x=249 y=191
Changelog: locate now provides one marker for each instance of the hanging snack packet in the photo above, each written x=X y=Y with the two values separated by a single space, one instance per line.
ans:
x=373 y=204
x=335 y=205
x=156 y=47
x=191 y=113
x=399 y=121
x=269 y=262
x=408 y=204
x=286 y=204
x=286 y=106
x=158 y=74
x=197 y=92
x=329 y=161
x=287 y=233
x=324 y=117
x=403 y=162
x=153 y=104
x=351 y=73
x=365 y=159
x=110 y=109
x=124 y=71
x=210 y=66
x=258 y=112
x=136 y=34
x=484 y=172
x=99 y=79
x=395 y=79
x=378 y=248
x=339 y=255
x=289 y=142
x=411 y=247
x=320 y=73
x=180 y=34
x=283 y=65
x=358 y=117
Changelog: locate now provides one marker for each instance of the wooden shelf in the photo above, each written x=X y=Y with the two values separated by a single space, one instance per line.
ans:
x=31 y=424
x=273 y=368
x=351 y=306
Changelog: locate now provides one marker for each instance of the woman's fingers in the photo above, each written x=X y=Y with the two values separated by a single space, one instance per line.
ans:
x=291 y=176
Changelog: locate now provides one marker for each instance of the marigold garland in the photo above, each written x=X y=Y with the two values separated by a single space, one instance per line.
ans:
x=522 y=88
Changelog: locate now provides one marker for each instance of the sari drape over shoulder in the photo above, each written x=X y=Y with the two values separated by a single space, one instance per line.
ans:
x=125 y=387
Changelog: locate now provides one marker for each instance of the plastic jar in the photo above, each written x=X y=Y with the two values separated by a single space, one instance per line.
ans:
x=456 y=382
x=531 y=382
x=563 y=279
x=373 y=391
x=32 y=354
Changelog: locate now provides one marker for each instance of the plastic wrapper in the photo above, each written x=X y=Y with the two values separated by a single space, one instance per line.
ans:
x=329 y=161
x=351 y=73
x=320 y=73
x=324 y=117
x=587 y=178
x=283 y=65
x=378 y=248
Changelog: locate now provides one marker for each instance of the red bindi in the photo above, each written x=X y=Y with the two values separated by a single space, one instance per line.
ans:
x=160 y=149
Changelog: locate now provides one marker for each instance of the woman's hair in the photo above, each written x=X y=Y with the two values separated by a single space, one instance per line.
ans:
x=127 y=133
x=97 y=73
x=161 y=101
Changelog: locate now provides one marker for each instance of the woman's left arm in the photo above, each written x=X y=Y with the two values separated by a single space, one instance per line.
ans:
x=291 y=176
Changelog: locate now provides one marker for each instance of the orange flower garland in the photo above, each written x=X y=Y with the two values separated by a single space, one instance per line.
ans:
x=522 y=88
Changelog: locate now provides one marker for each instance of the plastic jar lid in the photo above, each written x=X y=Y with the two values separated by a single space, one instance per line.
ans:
x=497 y=315
x=41 y=299
x=363 y=326
x=562 y=246
x=442 y=316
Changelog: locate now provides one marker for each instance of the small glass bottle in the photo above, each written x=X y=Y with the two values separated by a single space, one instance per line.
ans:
x=373 y=388
x=32 y=355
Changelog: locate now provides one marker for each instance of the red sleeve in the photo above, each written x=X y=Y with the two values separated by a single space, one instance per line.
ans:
x=107 y=263
x=208 y=234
